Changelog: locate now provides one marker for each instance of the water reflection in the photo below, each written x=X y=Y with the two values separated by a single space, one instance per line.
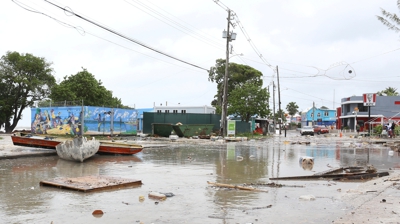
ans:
x=185 y=170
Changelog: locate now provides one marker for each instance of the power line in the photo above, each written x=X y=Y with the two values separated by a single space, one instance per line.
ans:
x=84 y=32
x=123 y=36
x=173 y=23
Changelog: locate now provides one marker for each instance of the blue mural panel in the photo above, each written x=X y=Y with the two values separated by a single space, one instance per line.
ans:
x=97 y=120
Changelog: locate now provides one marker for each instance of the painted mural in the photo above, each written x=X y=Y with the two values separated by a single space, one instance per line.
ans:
x=97 y=120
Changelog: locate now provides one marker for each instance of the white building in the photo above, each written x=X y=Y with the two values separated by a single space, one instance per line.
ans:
x=185 y=109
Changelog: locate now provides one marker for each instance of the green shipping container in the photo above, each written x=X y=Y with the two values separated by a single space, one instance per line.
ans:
x=189 y=130
x=161 y=129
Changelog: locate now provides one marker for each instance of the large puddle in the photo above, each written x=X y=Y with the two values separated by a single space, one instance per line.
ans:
x=184 y=171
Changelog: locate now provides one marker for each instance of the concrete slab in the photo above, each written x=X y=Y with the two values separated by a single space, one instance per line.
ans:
x=90 y=183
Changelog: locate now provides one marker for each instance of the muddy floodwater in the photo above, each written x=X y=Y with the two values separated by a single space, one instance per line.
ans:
x=184 y=169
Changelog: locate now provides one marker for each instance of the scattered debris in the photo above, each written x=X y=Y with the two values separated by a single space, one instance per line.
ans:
x=218 y=217
x=235 y=187
x=272 y=184
x=354 y=173
x=268 y=206
x=169 y=194
x=157 y=195
x=97 y=213
x=307 y=197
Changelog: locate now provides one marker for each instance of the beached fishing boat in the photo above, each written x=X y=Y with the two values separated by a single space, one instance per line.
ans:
x=119 y=148
x=51 y=143
x=35 y=141
x=78 y=149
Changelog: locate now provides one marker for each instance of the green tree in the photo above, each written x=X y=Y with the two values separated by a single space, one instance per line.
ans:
x=280 y=114
x=292 y=108
x=84 y=86
x=389 y=91
x=391 y=20
x=324 y=108
x=241 y=77
x=247 y=101
x=24 y=79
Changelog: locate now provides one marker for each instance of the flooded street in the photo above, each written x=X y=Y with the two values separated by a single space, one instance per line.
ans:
x=184 y=169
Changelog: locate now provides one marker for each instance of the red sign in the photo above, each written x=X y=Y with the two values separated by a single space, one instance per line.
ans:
x=369 y=99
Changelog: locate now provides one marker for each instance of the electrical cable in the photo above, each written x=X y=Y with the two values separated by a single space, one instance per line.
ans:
x=125 y=37
x=169 y=21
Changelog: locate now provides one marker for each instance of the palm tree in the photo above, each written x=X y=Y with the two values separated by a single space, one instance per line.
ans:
x=389 y=91
x=292 y=108
x=391 y=20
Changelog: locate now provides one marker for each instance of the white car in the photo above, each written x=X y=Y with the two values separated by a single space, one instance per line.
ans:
x=307 y=130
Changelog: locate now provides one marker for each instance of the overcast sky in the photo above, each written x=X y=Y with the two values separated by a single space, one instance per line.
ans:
x=314 y=43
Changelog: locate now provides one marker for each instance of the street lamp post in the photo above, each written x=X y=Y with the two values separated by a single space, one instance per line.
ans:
x=229 y=37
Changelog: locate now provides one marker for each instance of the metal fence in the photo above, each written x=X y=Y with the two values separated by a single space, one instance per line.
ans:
x=173 y=118
x=189 y=118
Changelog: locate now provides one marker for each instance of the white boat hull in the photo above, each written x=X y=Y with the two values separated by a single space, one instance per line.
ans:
x=77 y=149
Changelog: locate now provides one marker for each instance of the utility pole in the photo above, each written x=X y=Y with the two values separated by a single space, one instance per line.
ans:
x=229 y=37
x=273 y=102
x=279 y=100
x=313 y=113
x=225 y=93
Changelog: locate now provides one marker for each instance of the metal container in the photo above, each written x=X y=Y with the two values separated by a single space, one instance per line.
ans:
x=189 y=130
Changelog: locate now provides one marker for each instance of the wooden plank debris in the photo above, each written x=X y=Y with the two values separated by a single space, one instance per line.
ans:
x=348 y=176
x=90 y=183
x=350 y=169
x=364 y=176
x=235 y=187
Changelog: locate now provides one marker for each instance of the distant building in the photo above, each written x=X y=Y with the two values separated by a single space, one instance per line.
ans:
x=185 y=109
x=386 y=109
x=317 y=116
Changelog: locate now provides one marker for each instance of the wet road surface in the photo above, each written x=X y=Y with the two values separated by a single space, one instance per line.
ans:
x=184 y=169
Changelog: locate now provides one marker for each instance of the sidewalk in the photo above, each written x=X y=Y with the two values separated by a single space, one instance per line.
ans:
x=9 y=151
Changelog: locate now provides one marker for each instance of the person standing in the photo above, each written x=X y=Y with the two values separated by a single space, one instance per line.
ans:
x=389 y=130
x=392 y=127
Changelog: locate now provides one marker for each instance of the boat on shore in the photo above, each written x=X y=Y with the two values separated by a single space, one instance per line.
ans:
x=78 y=149
x=35 y=141
x=119 y=148
x=106 y=147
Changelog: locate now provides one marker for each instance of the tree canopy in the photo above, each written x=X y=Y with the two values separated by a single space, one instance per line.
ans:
x=391 y=20
x=84 y=86
x=292 y=108
x=24 y=79
x=246 y=97
x=280 y=114
x=389 y=91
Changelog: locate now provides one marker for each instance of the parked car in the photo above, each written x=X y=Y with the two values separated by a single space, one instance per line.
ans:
x=320 y=129
x=307 y=130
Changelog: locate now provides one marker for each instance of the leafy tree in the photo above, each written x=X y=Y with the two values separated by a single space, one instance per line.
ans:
x=292 y=108
x=389 y=91
x=280 y=114
x=247 y=101
x=391 y=20
x=241 y=77
x=324 y=108
x=24 y=79
x=84 y=86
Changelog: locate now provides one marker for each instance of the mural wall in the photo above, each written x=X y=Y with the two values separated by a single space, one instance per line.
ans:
x=97 y=120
